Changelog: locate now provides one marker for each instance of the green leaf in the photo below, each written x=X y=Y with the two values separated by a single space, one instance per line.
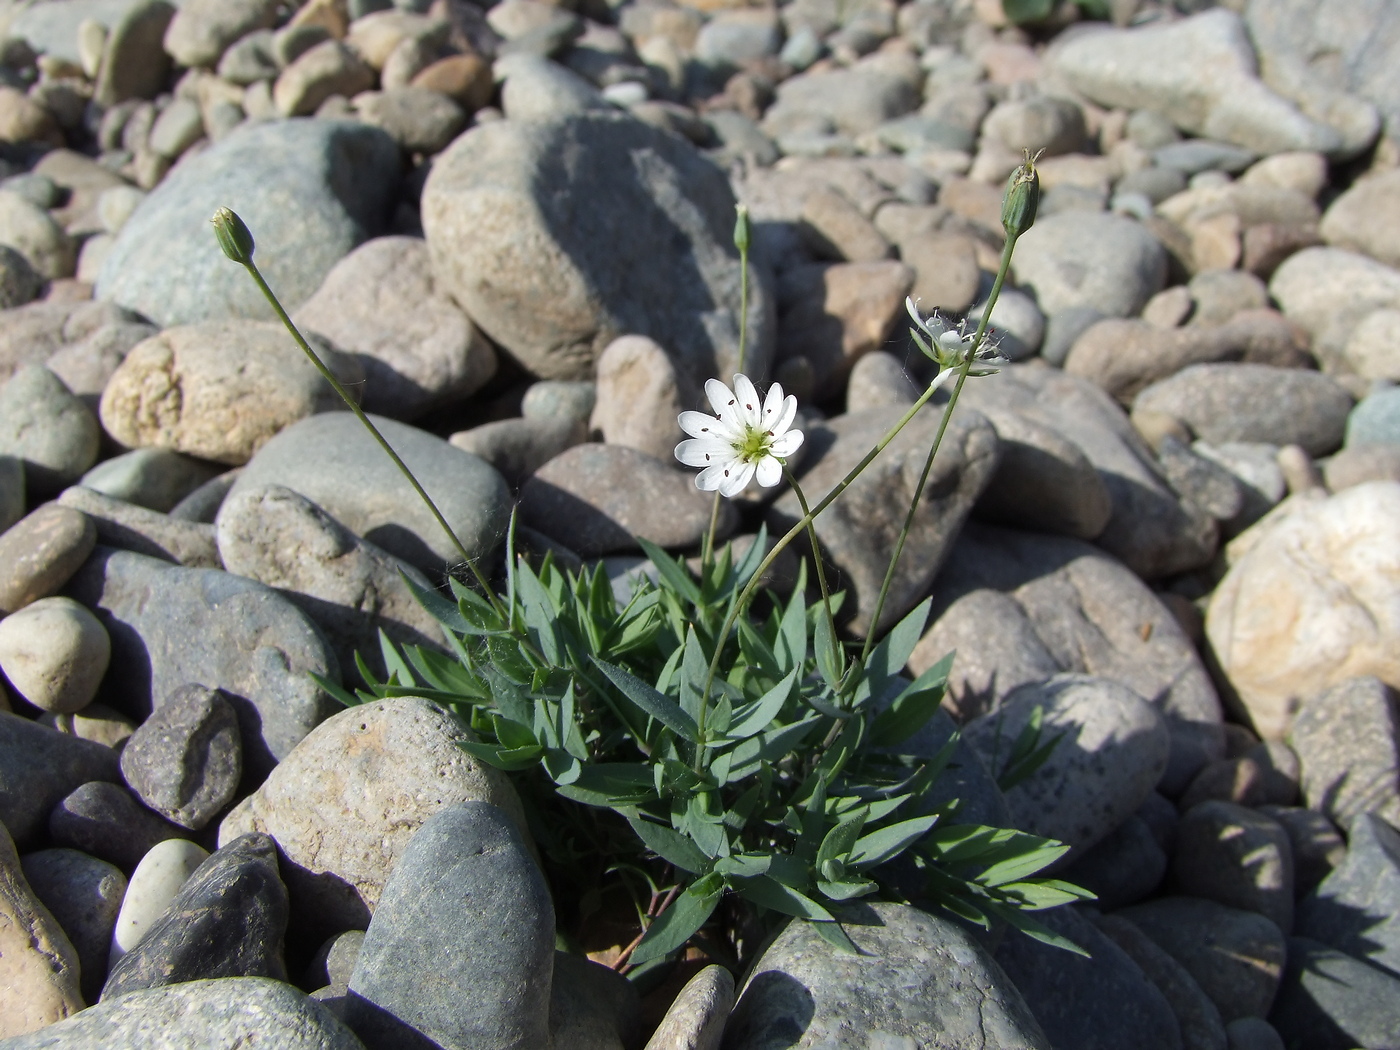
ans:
x=889 y=657
x=1033 y=928
x=441 y=610
x=512 y=734
x=673 y=572
x=846 y=890
x=913 y=707
x=752 y=559
x=836 y=936
x=1039 y=894
x=562 y=767
x=1015 y=868
x=508 y=698
x=399 y=671
x=758 y=716
x=662 y=708
x=510 y=759
x=889 y=842
x=831 y=658
x=1026 y=12
x=695 y=665
x=791 y=648
x=768 y=892
x=840 y=839
x=744 y=865
x=771 y=746
x=677 y=924
x=336 y=691
x=541 y=615
x=668 y=844
x=1027 y=753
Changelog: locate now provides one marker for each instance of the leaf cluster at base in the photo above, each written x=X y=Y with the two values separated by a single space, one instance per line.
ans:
x=786 y=786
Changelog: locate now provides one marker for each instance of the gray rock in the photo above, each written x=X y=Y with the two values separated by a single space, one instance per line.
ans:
x=857 y=533
x=519 y=447
x=349 y=588
x=249 y=59
x=538 y=89
x=1149 y=527
x=496 y=217
x=334 y=961
x=11 y=493
x=1096 y=1003
x=40 y=553
x=591 y=1006
x=1253 y=1033
x=202 y=29
x=733 y=38
x=227 y=1012
x=203 y=503
x=1244 y=402
x=1374 y=420
x=419 y=120
x=695 y=1019
x=34 y=233
x=1360 y=464
x=179 y=126
x=1112 y=751
x=228 y=920
x=1332 y=1001
x=391 y=765
x=133 y=62
x=952 y=992
x=1356 y=909
x=1231 y=854
x=45 y=426
x=1052 y=125
x=467 y=896
x=1017 y=326
x=38 y=767
x=1197 y=155
x=1348 y=744
x=1196 y=1016
x=1122 y=868
x=109 y=822
x=559 y=399
x=86 y=365
x=313 y=457
x=1160 y=67
x=20 y=283
x=418 y=349
x=1203 y=482
x=597 y=499
x=154 y=478
x=84 y=894
x=185 y=761
x=1316 y=844
x=850 y=101
x=1329 y=291
x=1020 y=607
x=309 y=190
x=1363 y=219
x=128 y=527
x=258 y=647
x=1105 y=262
x=1235 y=956
x=1257 y=474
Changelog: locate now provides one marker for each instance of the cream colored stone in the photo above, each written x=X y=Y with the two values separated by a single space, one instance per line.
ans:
x=154 y=883
x=38 y=965
x=218 y=390
x=54 y=653
x=1312 y=598
x=640 y=395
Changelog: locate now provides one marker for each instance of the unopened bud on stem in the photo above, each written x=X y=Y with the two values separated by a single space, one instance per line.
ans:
x=233 y=235
x=1022 y=198
x=741 y=228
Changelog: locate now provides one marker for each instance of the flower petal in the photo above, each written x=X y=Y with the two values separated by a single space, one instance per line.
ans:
x=710 y=478
x=726 y=404
x=749 y=406
x=695 y=452
x=769 y=472
x=785 y=444
x=737 y=480
x=913 y=311
x=703 y=425
x=789 y=412
x=772 y=405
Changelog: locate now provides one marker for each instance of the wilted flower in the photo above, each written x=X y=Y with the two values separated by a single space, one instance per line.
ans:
x=949 y=344
x=743 y=440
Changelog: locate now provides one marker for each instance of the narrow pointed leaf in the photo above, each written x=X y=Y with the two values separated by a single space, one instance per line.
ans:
x=662 y=708
x=677 y=924
x=887 y=843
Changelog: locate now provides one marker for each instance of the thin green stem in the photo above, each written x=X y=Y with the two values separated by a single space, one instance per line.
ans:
x=330 y=378
x=963 y=370
x=754 y=582
x=810 y=518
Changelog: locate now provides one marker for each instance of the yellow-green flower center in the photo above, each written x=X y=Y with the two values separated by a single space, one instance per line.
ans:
x=753 y=446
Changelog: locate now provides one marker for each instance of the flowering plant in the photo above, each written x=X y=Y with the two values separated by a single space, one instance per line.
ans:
x=704 y=754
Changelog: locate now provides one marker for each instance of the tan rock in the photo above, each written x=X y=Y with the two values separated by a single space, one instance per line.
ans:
x=466 y=79
x=40 y=552
x=346 y=800
x=218 y=390
x=947 y=271
x=640 y=396
x=38 y=965
x=332 y=15
x=837 y=230
x=375 y=35
x=24 y=120
x=1313 y=599
x=329 y=68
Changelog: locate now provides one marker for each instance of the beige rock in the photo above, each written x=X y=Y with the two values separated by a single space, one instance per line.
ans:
x=947 y=271
x=1366 y=218
x=1301 y=171
x=640 y=396
x=375 y=35
x=837 y=230
x=466 y=79
x=347 y=799
x=332 y=15
x=1313 y=599
x=38 y=965
x=1362 y=463
x=135 y=528
x=96 y=722
x=40 y=552
x=1124 y=356
x=24 y=120
x=1374 y=347
x=218 y=390
x=32 y=232
x=695 y=1020
x=329 y=68
x=54 y=654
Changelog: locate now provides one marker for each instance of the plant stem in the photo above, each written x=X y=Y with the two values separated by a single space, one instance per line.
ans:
x=330 y=378
x=748 y=592
x=885 y=585
x=810 y=518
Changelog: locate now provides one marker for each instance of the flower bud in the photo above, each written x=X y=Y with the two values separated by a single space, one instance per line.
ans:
x=1022 y=198
x=233 y=236
x=741 y=228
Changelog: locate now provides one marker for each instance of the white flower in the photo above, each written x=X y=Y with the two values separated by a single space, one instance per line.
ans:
x=744 y=440
x=952 y=343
